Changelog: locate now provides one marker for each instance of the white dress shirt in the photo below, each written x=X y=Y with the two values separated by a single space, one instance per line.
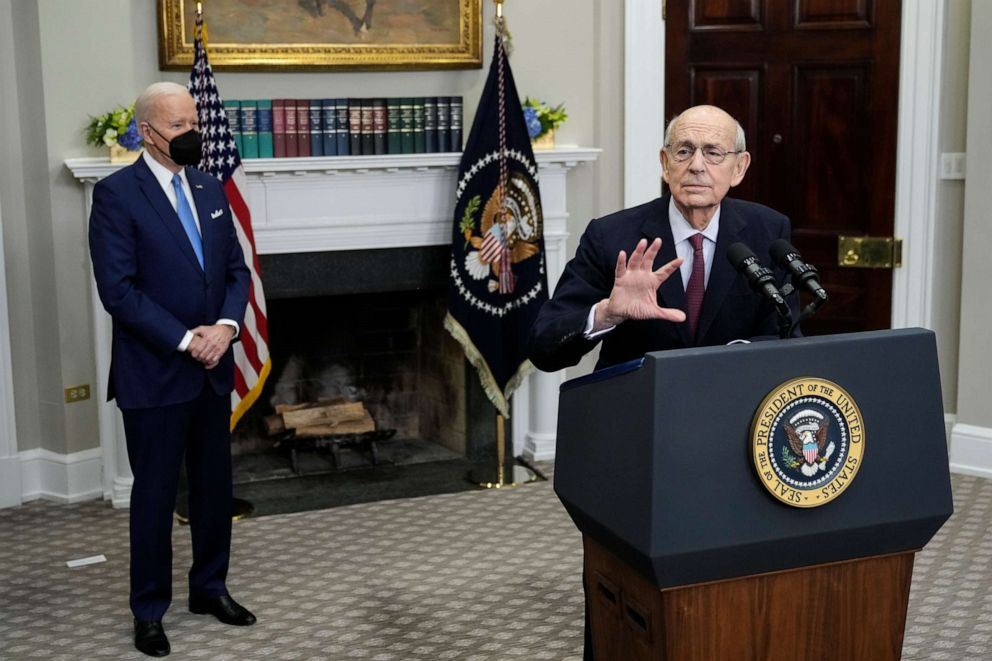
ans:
x=164 y=178
x=681 y=231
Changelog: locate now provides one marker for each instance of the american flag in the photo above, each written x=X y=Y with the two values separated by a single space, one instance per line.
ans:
x=494 y=249
x=492 y=245
x=221 y=159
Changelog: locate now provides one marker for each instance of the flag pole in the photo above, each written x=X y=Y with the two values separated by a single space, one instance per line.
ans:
x=524 y=474
x=240 y=508
x=500 y=421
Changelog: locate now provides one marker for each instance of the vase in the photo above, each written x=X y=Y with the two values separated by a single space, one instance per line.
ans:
x=119 y=154
x=544 y=141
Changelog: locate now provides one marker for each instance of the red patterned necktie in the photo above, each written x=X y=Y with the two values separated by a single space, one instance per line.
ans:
x=697 y=285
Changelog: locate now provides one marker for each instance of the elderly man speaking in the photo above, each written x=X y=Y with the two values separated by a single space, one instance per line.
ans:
x=621 y=289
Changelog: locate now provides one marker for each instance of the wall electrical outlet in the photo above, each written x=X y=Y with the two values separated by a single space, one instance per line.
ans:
x=77 y=393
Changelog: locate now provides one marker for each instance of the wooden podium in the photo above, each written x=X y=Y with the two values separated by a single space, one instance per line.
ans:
x=687 y=554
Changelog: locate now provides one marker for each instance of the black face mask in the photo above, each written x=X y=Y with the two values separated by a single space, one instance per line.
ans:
x=186 y=148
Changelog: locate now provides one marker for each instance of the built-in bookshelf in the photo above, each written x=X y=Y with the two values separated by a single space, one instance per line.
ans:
x=290 y=128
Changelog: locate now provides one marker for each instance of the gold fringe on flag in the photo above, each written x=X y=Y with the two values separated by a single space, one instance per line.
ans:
x=500 y=399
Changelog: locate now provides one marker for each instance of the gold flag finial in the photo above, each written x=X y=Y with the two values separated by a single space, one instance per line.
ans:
x=501 y=29
x=203 y=23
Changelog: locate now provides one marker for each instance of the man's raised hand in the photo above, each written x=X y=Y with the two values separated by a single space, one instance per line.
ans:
x=635 y=288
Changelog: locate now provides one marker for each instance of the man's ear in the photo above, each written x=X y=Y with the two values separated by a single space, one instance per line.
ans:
x=146 y=133
x=663 y=156
x=743 y=160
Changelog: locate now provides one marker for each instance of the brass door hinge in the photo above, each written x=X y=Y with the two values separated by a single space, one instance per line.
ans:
x=869 y=252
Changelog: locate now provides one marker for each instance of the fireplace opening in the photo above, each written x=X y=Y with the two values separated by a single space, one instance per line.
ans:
x=351 y=333
x=388 y=351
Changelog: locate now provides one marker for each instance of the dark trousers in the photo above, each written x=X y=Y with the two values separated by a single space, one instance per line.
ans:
x=157 y=440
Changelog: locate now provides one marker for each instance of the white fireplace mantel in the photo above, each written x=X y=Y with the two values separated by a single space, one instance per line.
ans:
x=356 y=203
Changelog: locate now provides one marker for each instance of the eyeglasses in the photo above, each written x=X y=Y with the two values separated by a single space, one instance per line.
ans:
x=712 y=154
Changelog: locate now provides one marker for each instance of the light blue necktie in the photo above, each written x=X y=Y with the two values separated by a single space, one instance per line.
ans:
x=186 y=217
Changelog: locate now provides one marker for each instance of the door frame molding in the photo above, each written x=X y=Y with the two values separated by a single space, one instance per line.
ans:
x=921 y=50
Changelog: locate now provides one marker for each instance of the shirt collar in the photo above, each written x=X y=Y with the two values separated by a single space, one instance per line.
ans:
x=682 y=230
x=162 y=174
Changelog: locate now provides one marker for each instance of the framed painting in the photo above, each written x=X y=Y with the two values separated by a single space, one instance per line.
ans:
x=310 y=35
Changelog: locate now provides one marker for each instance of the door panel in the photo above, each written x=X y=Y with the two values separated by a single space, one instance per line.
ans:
x=814 y=83
x=733 y=88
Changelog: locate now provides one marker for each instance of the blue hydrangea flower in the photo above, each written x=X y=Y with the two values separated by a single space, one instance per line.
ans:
x=533 y=123
x=131 y=139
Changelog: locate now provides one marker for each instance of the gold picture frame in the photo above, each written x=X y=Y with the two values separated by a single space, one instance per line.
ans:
x=324 y=35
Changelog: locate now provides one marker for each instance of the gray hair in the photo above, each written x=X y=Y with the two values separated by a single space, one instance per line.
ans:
x=740 y=144
x=146 y=101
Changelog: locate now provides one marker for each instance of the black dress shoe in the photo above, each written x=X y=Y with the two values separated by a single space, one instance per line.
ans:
x=150 y=639
x=224 y=608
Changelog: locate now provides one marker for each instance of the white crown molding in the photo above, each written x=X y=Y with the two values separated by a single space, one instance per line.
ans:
x=971 y=450
x=63 y=478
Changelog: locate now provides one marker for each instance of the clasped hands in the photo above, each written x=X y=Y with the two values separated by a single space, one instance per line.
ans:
x=635 y=289
x=210 y=342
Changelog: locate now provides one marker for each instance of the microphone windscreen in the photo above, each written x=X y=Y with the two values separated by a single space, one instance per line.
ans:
x=738 y=253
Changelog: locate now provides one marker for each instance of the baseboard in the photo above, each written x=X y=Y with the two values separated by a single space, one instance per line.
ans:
x=971 y=450
x=10 y=481
x=63 y=478
x=539 y=447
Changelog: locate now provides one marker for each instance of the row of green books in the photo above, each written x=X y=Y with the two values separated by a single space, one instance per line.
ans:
x=278 y=128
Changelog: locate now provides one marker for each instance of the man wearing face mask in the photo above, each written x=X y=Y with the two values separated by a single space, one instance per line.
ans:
x=170 y=271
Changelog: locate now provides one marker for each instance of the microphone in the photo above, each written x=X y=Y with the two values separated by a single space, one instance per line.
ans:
x=760 y=278
x=789 y=258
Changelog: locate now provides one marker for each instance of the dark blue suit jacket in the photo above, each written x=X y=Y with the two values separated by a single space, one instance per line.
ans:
x=150 y=282
x=731 y=310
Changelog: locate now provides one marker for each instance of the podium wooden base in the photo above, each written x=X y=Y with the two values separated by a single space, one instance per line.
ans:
x=845 y=610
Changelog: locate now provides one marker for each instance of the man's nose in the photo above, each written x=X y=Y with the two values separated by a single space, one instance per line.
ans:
x=696 y=163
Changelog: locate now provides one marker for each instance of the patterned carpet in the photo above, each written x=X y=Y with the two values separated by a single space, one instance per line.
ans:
x=473 y=575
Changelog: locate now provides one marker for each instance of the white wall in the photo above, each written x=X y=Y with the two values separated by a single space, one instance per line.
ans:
x=976 y=303
x=18 y=33
x=950 y=196
x=973 y=403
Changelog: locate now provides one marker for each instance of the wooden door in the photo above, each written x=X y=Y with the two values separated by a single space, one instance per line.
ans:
x=814 y=83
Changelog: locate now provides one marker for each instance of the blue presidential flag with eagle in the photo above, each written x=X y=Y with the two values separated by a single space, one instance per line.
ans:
x=497 y=270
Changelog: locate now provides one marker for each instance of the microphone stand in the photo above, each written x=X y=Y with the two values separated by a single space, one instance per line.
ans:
x=785 y=323
x=806 y=313
x=811 y=309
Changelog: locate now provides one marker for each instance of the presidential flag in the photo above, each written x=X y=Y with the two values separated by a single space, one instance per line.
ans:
x=221 y=159
x=497 y=272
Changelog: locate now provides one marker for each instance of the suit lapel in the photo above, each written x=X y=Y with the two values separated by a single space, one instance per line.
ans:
x=671 y=294
x=160 y=203
x=722 y=273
